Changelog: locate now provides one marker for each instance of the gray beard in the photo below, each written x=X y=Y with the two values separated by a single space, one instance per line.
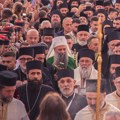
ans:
x=85 y=72
x=56 y=25
x=60 y=61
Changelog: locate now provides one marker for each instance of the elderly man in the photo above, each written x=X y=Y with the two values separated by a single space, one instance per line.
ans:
x=86 y=69
x=32 y=37
x=25 y=54
x=82 y=37
x=33 y=92
x=10 y=108
x=66 y=84
x=114 y=97
x=89 y=112
x=59 y=54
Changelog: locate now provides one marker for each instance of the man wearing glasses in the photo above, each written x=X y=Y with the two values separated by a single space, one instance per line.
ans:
x=26 y=54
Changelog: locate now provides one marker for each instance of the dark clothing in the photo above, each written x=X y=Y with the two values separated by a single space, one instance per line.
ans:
x=77 y=47
x=32 y=97
x=77 y=104
x=21 y=75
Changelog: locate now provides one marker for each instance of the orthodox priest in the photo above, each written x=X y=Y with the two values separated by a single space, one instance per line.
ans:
x=33 y=92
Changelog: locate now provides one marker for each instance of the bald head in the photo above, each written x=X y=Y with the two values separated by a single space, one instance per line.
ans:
x=32 y=37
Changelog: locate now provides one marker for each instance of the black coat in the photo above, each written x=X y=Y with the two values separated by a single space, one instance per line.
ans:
x=32 y=95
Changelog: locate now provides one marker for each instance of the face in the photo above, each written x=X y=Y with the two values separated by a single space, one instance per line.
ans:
x=40 y=57
x=35 y=75
x=94 y=26
x=116 y=24
x=92 y=98
x=59 y=2
x=64 y=11
x=111 y=45
x=7 y=93
x=117 y=50
x=83 y=21
x=10 y=62
x=55 y=18
x=89 y=13
x=60 y=49
x=85 y=62
x=74 y=3
x=117 y=6
x=113 y=67
x=101 y=16
x=48 y=40
x=70 y=43
x=98 y=7
x=94 y=44
x=114 y=15
x=67 y=25
x=66 y=85
x=117 y=84
x=83 y=36
x=23 y=60
x=32 y=38
x=74 y=27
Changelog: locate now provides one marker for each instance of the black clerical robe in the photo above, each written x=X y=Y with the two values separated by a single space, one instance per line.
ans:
x=32 y=98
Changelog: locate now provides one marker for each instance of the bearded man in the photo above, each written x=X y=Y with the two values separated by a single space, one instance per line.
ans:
x=33 y=92
x=85 y=70
x=59 y=54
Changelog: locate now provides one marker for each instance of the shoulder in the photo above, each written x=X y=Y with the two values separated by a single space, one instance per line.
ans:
x=83 y=114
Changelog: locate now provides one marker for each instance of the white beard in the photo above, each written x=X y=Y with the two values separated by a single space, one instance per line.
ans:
x=85 y=72
x=82 y=43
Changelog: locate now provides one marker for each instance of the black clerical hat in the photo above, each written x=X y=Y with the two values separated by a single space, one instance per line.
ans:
x=117 y=72
x=56 y=12
x=48 y=32
x=64 y=5
x=64 y=73
x=86 y=53
x=107 y=3
x=3 y=67
x=100 y=3
x=103 y=12
x=43 y=19
x=91 y=85
x=26 y=51
x=35 y=64
x=115 y=35
x=8 y=78
x=83 y=28
x=114 y=59
x=39 y=50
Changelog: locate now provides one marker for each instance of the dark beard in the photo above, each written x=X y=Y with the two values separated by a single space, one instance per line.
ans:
x=56 y=25
x=34 y=85
x=7 y=99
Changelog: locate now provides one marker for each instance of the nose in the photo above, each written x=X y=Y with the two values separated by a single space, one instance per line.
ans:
x=93 y=102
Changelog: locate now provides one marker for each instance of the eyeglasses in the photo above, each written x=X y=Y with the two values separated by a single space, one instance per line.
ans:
x=25 y=59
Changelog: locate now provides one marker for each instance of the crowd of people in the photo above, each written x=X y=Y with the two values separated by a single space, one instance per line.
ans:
x=49 y=52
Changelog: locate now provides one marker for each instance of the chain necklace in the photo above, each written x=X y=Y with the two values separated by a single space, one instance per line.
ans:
x=30 y=109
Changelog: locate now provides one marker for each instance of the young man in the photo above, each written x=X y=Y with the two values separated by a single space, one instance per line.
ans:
x=33 y=92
